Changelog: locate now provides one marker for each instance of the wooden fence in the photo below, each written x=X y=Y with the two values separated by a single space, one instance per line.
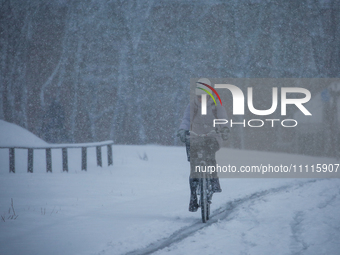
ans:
x=63 y=147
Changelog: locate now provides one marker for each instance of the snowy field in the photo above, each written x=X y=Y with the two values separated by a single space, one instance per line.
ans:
x=140 y=206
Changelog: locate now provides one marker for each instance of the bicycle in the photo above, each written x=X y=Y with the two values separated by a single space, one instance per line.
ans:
x=204 y=187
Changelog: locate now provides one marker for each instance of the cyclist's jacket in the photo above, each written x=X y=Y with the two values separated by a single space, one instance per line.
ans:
x=202 y=124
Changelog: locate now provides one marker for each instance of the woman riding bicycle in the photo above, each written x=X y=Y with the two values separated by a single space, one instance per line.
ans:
x=202 y=124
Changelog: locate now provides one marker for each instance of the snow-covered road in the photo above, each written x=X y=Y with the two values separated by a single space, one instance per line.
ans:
x=291 y=219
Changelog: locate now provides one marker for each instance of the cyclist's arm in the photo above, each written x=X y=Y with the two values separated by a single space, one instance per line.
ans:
x=185 y=124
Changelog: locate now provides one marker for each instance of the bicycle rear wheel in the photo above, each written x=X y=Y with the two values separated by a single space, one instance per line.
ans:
x=205 y=206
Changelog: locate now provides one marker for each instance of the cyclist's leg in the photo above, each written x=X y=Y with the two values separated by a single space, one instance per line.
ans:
x=193 y=205
x=193 y=180
x=213 y=147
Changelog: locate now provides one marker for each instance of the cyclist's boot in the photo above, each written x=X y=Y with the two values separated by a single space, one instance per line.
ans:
x=215 y=183
x=193 y=205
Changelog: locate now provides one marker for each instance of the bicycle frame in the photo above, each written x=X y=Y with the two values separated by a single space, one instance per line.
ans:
x=204 y=188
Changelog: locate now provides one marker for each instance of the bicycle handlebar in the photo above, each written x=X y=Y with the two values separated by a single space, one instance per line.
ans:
x=211 y=133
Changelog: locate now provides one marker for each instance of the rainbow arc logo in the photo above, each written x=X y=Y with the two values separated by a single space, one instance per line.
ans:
x=209 y=93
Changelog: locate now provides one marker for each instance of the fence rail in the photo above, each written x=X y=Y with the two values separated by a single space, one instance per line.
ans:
x=48 y=148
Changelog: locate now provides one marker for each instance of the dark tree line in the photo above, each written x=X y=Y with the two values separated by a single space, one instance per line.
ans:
x=87 y=70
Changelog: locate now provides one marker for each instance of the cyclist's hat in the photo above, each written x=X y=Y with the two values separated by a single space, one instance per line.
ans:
x=200 y=86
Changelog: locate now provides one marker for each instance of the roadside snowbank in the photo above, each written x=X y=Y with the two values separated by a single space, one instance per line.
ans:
x=13 y=135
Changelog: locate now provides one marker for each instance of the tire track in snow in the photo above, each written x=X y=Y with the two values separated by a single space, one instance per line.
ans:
x=297 y=246
x=223 y=213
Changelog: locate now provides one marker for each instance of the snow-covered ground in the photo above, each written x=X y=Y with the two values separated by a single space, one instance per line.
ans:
x=140 y=206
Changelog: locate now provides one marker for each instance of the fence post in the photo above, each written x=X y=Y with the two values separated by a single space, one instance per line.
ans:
x=48 y=160
x=11 y=160
x=109 y=155
x=83 y=158
x=65 y=161
x=99 y=155
x=30 y=160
